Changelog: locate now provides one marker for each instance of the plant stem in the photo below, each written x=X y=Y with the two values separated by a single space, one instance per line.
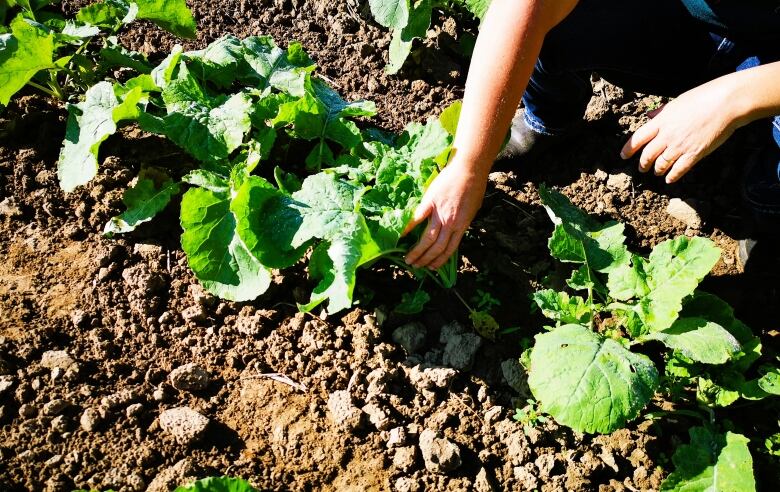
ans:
x=43 y=89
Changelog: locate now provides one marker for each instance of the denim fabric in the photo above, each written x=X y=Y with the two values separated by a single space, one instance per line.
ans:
x=653 y=47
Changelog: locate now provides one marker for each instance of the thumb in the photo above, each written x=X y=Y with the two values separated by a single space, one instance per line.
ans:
x=422 y=212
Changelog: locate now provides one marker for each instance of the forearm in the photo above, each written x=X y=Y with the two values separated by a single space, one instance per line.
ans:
x=756 y=93
x=507 y=48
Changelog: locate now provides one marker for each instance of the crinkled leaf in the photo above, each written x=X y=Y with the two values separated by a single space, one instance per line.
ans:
x=271 y=66
x=561 y=307
x=477 y=7
x=216 y=254
x=163 y=73
x=712 y=462
x=588 y=382
x=267 y=223
x=26 y=50
x=403 y=38
x=578 y=238
x=150 y=195
x=484 y=324
x=208 y=179
x=108 y=13
x=413 y=302
x=220 y=62
x=89 y=124
x=391 y=13
x=172 y=15
x=217 y=484
x=770 y=381
x=699 y=340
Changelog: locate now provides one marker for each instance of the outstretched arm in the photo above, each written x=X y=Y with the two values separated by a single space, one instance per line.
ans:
x=507 y=48
x=697 y=122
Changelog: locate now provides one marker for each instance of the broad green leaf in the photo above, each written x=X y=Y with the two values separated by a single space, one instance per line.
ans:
x=216 y=254
x=217 y=484
x=267 y=222
x=412 y=302
x=108 y=13
x=163 y=73
x=477 y=7
x=450 y=117
x=209 y=128
x=671 y=273
x=770 y=381
x=712 y=462
x=699 y=340
x=150 y=195
x=588 y=382
x=25 y=51
x=220 y=62
x=560 y=307
x=714 y=394
x=403 y=38
x=711 y=307
x=172 y=15
x=208 y=179
x=391 y=13
x=89 y=123
x=578 y=238
x=270 y=66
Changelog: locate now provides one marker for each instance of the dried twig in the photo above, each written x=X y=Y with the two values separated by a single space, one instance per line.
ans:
x=279 y=378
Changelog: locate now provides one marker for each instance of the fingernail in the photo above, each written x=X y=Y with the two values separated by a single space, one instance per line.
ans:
x=623 y=155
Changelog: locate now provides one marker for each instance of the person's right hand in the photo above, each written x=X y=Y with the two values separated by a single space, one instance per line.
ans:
x=450 y=203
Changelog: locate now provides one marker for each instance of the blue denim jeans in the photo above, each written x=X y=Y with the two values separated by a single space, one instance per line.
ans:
x=653 y=47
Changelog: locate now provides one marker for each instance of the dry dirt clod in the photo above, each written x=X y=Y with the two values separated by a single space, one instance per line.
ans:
x=6 y=383
x=343 y=412
x=184 y=424
x=55 y=407
x=410 y=336
x=440 y=454
x=461 y=351
x=515 y=375
x=90 y=419
x=684 y=211
x=619 y=182
x=405 y=459
x=190 y=377
x=57 y=359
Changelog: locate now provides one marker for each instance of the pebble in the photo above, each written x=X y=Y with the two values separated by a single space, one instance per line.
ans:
x=194 y=314
x=57 y=359
x=410 y=336
x=379 y=416
x=461 y=350
x=59 y=424
x=134 y=410
x=515 y=375
x=120 y=399
x=55 y=407
x=190 y=377
x=601 y=175
x=684 y=211
x=343 y=411
x=6 y=383
x=407 y=484
x=28 y=411
x=493 y=414
x=526 y=477
x=397 y=437
x=440 y=454
x=159 y=394
x=405 y=458
x=184 y=424
x=619 y=182
x=90 y=419
x=425 y=377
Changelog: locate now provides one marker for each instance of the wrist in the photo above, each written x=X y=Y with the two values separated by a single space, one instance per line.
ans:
x=473 y=165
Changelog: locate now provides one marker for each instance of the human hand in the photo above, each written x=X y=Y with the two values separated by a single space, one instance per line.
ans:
x=450 y=203
x=684 y=131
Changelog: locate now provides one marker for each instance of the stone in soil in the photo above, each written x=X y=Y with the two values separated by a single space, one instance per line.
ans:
x=619 y=182
x=684 y=211
x=405 y=459
x=410 y=336
x=440 y=454
x=184 y=424
x=6 y=383
x=425 y=377
x=55 y=407
x=90 y=419
x=461 y=351
x=515 y=376
x=343 y=412
x=57 y=359
x=379 y=416
x=190 y=377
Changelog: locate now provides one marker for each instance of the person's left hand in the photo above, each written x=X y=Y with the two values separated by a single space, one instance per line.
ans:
x=684 y=131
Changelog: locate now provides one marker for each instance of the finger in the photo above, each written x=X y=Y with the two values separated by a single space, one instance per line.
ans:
x=646 y=133
x=452 y=245
x=666 y=160
x=652 y=114
x=429 y=237
x=684 y=164
x=650 y=153
x=435 y=249
x=422 y=212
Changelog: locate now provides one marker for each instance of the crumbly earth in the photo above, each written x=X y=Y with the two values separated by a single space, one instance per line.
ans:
x=301 y=402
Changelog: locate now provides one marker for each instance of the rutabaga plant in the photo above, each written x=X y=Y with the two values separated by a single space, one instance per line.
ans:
x=226 y=105
x=61 y=56
x=411 y=19
x=587 y=371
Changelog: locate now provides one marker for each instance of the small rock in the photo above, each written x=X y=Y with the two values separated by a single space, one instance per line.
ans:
x=410 y=336
x=190 y=377
x=79 y=318
x=120 y=399
x=684 y=211
x=9 y=208
x=461 y=350
x=6 y=383
x=90 y=419
x=343 y=412
x=397 y=437
x=407 y=484
x=134 y=410
x=619 y=182
x=484 y=482
x=450 y=330
x=149 y=252
x=28 y=411
x=200 y=296
x=194 y=314
x=526 y=477
x=59 y=424
x=440 y=454
x=601 y=175
x=57 y=373
x=184 y=424
x=424 y=377
x=57 y=359
x=159 y=394
x=493 y=414
x=609 y=459
x=379 y=416
x=405 y=458
x=55 y=407
x=515 y=375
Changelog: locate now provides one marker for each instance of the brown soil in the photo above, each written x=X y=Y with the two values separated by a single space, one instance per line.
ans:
x=128 y=311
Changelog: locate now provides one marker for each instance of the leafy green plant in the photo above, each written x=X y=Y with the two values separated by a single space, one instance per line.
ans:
x=411 y=19
x=346 y=202
x=58 y=56
x=586 y=371
x=529 y=416
x=217 y=484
